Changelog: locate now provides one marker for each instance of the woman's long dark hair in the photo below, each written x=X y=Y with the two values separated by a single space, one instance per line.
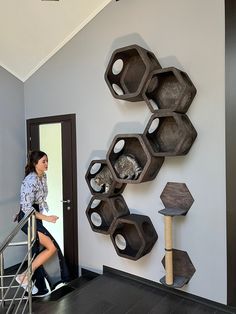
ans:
x=33 y=159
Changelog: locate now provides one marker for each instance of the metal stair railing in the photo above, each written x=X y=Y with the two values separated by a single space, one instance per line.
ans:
x=20 y=301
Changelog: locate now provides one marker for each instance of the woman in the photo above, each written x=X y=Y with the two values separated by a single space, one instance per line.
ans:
x=33 y=196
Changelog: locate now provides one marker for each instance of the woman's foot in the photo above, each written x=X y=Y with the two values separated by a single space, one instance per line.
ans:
x=22 y=279
x=41 y=294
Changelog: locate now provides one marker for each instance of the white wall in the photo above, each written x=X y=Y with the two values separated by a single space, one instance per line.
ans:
x=188 y=34
x=12 y=157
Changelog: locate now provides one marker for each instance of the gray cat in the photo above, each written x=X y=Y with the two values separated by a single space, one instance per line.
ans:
x=104 y=179
x=127 y=167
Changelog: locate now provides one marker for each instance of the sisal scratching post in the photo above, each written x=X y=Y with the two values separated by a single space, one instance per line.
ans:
x=169 y=251
x=178 y=266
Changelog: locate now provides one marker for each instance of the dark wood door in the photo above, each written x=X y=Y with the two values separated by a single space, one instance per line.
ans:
x=69 y=180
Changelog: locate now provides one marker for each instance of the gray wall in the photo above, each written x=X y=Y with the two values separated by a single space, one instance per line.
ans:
x=188 y=34
x=12 y=156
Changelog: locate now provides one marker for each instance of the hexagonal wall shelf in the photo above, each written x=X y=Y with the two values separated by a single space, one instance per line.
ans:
x=169 y=88
x=169 y=134
x=101 y=181
x=176 y=198
x=102 y=212
x=127 y=72
x=183 y=269
x=130 y=161
x=133 y=236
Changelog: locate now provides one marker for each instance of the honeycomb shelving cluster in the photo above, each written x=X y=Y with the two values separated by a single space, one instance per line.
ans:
x=134 y=74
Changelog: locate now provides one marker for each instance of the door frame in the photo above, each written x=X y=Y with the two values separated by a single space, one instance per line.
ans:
x=230 y=128
x=68 y=123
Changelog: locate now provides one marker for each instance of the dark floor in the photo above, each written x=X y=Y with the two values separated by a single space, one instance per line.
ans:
x=114 y=294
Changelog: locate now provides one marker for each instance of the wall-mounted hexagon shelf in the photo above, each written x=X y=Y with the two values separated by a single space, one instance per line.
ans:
x=169 y=88
x=101 y=181
x=183 y=269
x=127 y=72
x=176 y=198
x=130 y=161
x=101 y=212
x=169 y=134
x=133 y=236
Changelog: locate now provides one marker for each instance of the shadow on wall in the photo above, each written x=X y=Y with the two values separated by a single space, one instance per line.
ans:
x=131 y=127
x=135 y=38
x=95 y=155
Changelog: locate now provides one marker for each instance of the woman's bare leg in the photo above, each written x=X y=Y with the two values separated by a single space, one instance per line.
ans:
x=49 y=250
x=41 y=258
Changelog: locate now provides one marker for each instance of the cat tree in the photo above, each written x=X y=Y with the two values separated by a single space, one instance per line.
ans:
x=177 y=201
x=134 y=74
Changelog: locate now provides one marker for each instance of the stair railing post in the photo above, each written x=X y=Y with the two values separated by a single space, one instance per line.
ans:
x=29 y=270
x=2 y=280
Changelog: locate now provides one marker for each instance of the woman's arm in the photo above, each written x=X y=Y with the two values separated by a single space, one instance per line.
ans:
x=50 y=218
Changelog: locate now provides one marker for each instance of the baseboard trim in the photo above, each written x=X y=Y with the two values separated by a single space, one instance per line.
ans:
x=214 y=305
x=88 y=274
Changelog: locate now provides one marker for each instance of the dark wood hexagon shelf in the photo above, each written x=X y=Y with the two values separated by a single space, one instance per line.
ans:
x=169 y=134
x=130 y=161
x=101 y=212
x=101 y=181
x=183 y=269
x=127 y=71
x=133 y=236
x=176 y=198
x=169 y=88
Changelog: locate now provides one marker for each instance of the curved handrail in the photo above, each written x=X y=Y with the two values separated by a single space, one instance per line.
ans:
x=15 y=230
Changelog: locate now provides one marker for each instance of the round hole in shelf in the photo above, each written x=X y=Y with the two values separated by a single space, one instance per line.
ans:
x=95 y=203
x=118 y=90
x=96 y=219
x=117 y=66
x=153 y=126
x=95 y=186
x=119 y=146
x=120 y=241
x=95 y=168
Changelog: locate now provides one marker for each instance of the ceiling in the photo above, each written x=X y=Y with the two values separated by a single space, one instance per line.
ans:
x=31 y=31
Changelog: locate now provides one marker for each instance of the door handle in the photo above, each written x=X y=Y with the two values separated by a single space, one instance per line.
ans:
x=67 y=201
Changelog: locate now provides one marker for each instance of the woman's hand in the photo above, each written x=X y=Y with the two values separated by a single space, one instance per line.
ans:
x=52 y=218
